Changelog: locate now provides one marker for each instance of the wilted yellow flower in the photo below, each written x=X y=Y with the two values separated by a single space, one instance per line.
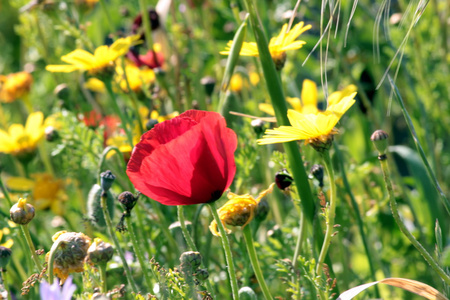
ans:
x=238 y=211
x=14 y=86
x=316 y=128
x=22 y=141
x=102 y=59
x=277 y=45
x=71 y=253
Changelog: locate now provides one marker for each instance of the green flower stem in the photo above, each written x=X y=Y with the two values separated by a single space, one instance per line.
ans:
x=190 y=241
x=26 y=234
x=227 y=249
x=123 y=116
x=301 y=236
x=51 y=258
x=279 y=104
x=138 y=252
x=147 y=26
x=6 y=194
x=358 y=218
x=404 y=230
x=329 y=213
x=4 y=284
x=255 y=263
x=102 y=268
x=116 y=244
x=184 y=230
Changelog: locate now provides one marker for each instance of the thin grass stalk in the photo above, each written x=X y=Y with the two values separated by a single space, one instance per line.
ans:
x=227 y=249
x=393 y=203
x=419 y=147
x=26 y=234
x=358 y=218
x=139 y=255
x=301 y=236
x=255 y=263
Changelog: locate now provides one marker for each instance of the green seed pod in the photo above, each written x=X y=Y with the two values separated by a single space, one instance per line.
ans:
x=191 y=259
x=94 y=209
x=5 y=256
x=100 y=252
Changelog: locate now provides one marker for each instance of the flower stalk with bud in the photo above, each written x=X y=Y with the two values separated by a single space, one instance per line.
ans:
x=379 y=139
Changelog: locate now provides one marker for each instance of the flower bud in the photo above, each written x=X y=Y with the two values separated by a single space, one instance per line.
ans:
x=262 y=210
x=208 y=82
x=94 y=209
x=5 y=256
x=151 y=123
x=106 y=180
x=62 y=91
x=191 y=259
x=22 y=212
x=202 y=274
x=128 y=200
x=317 y=172
x=283 y=179
x=51 y=134
x=100 y=252
x=379 y=139
x=258 y=126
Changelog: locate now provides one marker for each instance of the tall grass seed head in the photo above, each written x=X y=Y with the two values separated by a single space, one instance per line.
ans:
x=22 y=212
x=71 y=253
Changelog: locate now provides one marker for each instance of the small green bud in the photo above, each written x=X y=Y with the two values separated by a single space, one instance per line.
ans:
x=283 y=179
x=317 y=172
x=262 y=210
x=51 y=134
x=5 y=256
x=94 y=209
x=100 y=252
x=151 y=123
x=191 y=259
x=62 y=91
x=22 y=212
x=379 y=139
x=106 y=180
x=202 y=274
x=208 y=82
x=258 y=126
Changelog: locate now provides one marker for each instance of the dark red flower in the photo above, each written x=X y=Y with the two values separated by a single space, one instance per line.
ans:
x=186 y=160
x=151 y=59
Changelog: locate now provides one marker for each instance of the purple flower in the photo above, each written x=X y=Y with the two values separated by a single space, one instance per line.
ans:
x=54 y=291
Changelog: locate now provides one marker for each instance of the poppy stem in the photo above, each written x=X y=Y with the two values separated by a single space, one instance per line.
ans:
x=403 y=229
x=116 y=243
x=184 y=230
x=51 y=259
x=255 y=263
x=301 y=236
x=330 y=212
x=227 y=249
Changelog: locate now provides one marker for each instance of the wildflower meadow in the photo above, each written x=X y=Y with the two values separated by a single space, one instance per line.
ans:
x=209 y=149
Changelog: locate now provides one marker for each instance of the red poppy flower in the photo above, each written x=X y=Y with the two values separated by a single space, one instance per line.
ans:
x=186 y=160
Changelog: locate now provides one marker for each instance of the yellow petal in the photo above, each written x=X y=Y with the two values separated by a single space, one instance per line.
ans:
x=20 y=184
x=33 y=126
x=80 y=58
x=8 y=244
x=309 y=92
x=267 y=108
x=61 y=68
x=6 y=145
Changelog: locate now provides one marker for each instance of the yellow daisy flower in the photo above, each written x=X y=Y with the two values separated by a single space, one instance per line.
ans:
x=14 y=86
x=102 y=59
x=238 y=211
x=277 y=45
x=316 y=128
x=136 y=77
x=307 y=104
x=21 y=141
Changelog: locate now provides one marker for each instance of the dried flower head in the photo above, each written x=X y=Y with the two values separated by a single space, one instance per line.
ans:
x=238 y=211
x=71 y=253
x=100 y=252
